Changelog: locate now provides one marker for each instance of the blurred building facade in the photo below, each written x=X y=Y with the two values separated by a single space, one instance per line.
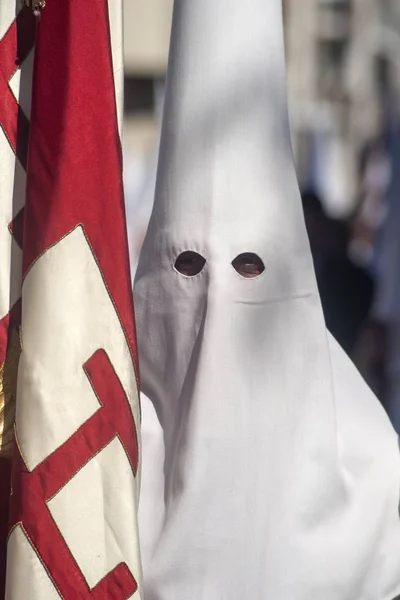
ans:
x=147 y=26
x=343 y=59
x=343 y=81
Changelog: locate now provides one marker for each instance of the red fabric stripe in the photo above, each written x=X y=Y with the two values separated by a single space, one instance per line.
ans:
x=75 y=162
x=5 y=479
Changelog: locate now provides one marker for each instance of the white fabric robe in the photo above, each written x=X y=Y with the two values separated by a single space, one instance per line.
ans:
x=281 y=474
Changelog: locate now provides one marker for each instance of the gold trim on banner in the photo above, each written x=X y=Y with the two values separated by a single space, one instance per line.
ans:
x=8 y=392
x=36 y=5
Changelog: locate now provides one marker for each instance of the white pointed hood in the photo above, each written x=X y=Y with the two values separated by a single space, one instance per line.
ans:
x=282 y=472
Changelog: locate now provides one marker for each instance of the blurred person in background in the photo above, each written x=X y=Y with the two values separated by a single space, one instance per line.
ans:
x=386 y=311
x=315 y=220
x=371 y=353
x=346 y=289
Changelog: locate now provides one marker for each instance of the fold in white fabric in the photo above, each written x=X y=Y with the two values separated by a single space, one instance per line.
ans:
x=281 y=472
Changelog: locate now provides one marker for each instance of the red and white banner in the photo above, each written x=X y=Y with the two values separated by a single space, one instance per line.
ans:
x=74 y=496
x=17 y=31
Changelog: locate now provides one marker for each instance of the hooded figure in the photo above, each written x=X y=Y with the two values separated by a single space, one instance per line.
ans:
x=281 y=474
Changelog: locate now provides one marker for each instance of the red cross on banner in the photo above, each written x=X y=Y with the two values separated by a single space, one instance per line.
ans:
x=48 y=479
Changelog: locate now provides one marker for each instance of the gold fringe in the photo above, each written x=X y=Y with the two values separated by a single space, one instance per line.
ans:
x=36 y=5
x=8 y=392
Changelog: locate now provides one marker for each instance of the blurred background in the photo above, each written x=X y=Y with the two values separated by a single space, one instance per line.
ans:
x=343 y=74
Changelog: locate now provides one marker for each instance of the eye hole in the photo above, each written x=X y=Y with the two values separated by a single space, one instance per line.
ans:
x=248 y=265
x=190 y=263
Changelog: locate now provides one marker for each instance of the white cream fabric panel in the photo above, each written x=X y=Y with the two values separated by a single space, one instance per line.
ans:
x=10 y=253
x=7 y=15
x=68 y=315
x=117 y=46
x=24 y=92
x=26 y=576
